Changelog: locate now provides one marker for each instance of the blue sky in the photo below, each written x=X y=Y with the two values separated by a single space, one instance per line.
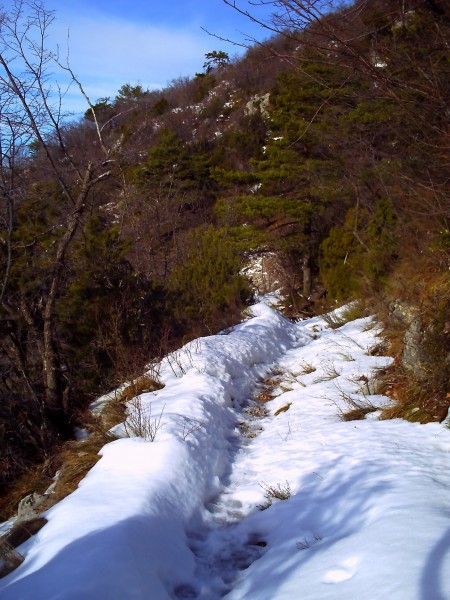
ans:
x=150 y=42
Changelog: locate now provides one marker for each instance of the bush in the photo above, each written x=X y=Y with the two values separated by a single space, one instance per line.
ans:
x=341 y=253
x=207 y=287
x=141 y=423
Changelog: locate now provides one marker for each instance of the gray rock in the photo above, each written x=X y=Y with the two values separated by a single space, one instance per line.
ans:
x=29 y=506
x=10 y=559
x=413 y=357
x=402 y=312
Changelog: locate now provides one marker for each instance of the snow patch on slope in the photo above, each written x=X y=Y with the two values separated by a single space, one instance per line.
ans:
x=180 y=517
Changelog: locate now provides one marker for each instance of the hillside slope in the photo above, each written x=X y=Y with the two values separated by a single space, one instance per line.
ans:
x=322 y=153
x=254 y=485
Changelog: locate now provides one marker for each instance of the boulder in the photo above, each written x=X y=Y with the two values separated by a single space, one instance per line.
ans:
x=29 y=506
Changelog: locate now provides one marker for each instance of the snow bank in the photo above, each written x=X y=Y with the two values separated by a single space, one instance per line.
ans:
x=122 y=532
x=180 y=517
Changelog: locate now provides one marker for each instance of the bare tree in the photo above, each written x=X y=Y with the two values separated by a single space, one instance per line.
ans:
x=31 y=111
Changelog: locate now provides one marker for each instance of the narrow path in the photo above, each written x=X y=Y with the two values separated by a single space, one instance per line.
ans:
x=178 y=519
x=220 y=550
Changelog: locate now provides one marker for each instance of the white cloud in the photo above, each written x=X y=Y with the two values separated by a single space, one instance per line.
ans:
x=106 y=53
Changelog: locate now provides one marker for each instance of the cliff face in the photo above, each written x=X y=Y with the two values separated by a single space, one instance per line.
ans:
x=421 y=334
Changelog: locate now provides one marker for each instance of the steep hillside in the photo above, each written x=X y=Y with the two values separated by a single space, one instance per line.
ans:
x=322 y=155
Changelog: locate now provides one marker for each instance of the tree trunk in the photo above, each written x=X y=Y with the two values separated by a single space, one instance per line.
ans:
x=50 y=362
x=306 y=270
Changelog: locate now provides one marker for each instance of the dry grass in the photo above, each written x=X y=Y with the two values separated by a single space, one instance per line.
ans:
x=306 y=368
x=358 y=414
x=357 y=409
x=73 y=459
x=306 y=543
x=353 y=311
x=421 y=394
x=265 y=395
x=275 y=492
x=419 y=290
x=113 y=413
x=140 y=385
x=283 y=409
x=257 y=411
x=71 y=462
x=37 y=480
x=141 y=423
x=246 y=431
x=271 y=382
x=414 y=402
x=329 y=372
x=74 y=462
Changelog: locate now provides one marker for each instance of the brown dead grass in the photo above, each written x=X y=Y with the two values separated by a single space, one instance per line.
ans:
x=72 y=460
x=76 y=458
x=283 y=409
x=140 y=385
x=265 y=395
x=61 y=472
x=414 y=402
x=353 y=311
x=37 y=479
x=358 y=414
x=423 y=287
x=113 y=413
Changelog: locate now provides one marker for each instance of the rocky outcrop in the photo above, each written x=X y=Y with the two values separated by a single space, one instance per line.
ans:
x=258 y=104
x=413 y=356
x=29 y=506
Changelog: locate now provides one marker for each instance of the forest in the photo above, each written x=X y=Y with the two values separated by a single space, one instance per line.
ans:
x=322 y=154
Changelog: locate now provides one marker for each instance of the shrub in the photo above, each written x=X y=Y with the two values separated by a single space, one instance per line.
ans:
x=381 y=243
x=207 y=285
x=140 y=422
x=341 y=253
x=275 y=492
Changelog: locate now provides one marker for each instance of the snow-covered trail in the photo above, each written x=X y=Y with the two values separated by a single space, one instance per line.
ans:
x=180 y=517
x=124 y=530
x=221 y=548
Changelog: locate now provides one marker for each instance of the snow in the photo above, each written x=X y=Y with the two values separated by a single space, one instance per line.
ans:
x=188 y=516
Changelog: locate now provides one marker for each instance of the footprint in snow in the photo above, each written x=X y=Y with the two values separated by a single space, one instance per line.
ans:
x=344 y=572
x=185 y=592
x=219 y=568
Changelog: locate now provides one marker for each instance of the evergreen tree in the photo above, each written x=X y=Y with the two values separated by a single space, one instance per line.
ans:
x=208 y=289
